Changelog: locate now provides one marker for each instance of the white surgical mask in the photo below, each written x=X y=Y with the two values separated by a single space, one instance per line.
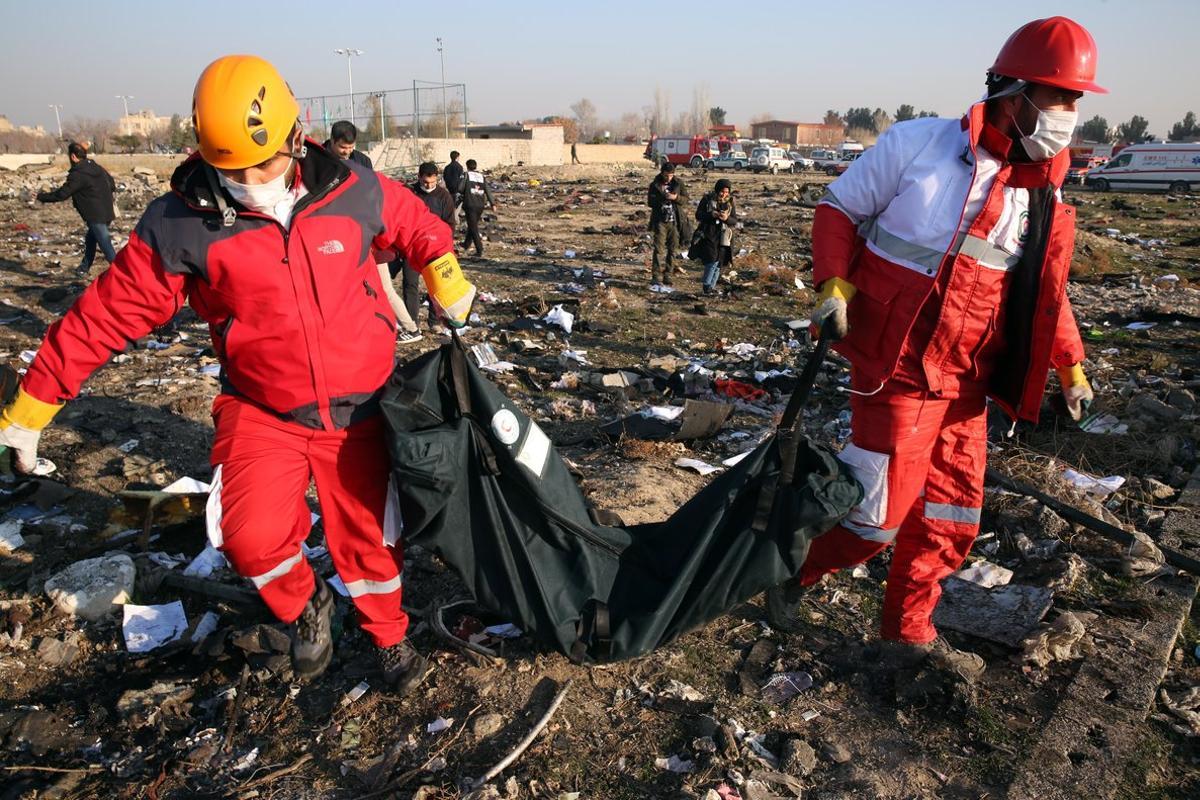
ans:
x=273 y=198
x=428 y=189
x=1051 y=134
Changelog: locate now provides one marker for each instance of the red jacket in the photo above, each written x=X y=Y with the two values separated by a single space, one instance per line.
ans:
x=931 y=228
x=297 y=316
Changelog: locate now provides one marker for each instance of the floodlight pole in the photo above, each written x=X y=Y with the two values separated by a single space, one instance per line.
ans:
x=125 y=98
x=445 y=109
x=349 y=53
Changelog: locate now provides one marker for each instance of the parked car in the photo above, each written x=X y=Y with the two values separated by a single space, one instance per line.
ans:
x=800 y=161
x=770 y=159
x=841 y=166
x=730 y=159
x=1173 y=167
x=824 y=158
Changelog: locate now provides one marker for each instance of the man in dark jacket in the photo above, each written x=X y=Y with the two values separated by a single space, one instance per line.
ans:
x=342 y=137
x=667 y=197
x=452 y=176
x=90 y=188
x=475 y=196
x=441 y=204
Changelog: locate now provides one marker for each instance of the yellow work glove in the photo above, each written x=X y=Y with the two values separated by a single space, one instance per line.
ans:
x=452 y=294
x=21 y=423
x=1076 y=392
x=830 y=314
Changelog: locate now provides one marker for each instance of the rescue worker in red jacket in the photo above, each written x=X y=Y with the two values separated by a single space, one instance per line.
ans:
x=270 y=239
x=942 y=256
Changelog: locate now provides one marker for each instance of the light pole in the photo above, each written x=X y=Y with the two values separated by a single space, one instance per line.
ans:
x=125 y=98
x=445 y=110
x=57 y=108
x=349 y=53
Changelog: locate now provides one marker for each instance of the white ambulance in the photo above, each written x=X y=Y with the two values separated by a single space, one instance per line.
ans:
x=1171 y=167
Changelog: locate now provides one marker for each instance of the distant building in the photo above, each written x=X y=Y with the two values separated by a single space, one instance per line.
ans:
x=5 y=125
x=798 y=134
x=514 y=130
x=143 y=123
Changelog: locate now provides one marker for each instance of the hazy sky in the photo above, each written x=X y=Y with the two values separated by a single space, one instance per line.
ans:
x=525 y=59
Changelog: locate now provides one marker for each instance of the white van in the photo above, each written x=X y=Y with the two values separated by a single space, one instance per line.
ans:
x=1172 y=167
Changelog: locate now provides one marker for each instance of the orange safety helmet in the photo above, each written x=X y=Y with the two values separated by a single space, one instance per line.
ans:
x=1055 y=51
x=243 y=112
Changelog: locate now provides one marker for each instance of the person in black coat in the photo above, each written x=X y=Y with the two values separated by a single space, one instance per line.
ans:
x=713 y=244
x=667 y=197
x=452 y=175
x=441 y=203
x=90 y=188
x=342 y=136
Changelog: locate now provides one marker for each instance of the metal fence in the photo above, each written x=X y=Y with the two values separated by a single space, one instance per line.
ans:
x=426 y=110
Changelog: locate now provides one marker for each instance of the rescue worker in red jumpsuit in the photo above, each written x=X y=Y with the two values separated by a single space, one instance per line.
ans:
x=271 y=239
x=942 y=256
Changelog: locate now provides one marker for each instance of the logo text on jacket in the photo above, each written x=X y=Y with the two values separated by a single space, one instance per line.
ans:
x=331 y=248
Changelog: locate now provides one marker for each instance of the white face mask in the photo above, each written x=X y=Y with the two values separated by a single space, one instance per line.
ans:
x=428 y=189
x=273 y=198
x=1051 y=134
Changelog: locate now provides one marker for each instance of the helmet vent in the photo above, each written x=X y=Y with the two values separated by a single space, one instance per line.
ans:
x=260 y=137
x=262 y=92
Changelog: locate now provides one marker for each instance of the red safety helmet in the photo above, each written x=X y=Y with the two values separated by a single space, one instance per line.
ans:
x=1055 y=51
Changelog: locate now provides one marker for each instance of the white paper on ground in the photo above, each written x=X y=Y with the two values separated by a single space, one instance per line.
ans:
x=697 y=465
x=667 y=413
x=438 y=725
x=150 y=627
x=735 y=460
x=1100 y=487
x=985 y=574
x=561 y=317
x=187 y=485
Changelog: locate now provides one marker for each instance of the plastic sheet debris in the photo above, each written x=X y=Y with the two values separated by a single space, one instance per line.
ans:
x=696 y=465
x=1104 y=424
x=1099 y=487
x=1184 y=705
x=129 y=446
x=505 y=630
x=1140 y=326
x=985 y=574
x=206 y=562
x=568 y=357
x=28 y=356
x=568 y=253
x=733 y=461
x=10 y=535
x=561 y=317
x=675 y=764
x=149 y=627
x=1059 y=641
x=783 y=686
x=354 y=694
x=245 y=762
x=438 y=725
x=658 y=288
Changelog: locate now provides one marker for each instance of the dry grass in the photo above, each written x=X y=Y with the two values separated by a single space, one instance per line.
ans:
x=643 y=450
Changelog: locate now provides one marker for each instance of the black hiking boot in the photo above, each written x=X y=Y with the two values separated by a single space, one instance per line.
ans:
x=402 y=666
x=312 y=635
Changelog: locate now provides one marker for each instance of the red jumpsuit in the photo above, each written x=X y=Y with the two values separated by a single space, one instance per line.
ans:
x=930 y=227
x=306 y=339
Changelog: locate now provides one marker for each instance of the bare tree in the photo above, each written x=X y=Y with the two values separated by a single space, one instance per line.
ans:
x=700 y=108
x=585 y=116
x=631 y=127
x=661 y=112
x=93 y=133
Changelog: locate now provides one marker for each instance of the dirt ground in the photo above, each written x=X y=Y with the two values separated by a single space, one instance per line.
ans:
x=99 y=721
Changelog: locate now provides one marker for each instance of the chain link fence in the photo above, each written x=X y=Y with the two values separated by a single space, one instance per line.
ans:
x=426 y=110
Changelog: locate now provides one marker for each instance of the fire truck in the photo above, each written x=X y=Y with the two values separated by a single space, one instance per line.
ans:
x=690 y=150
